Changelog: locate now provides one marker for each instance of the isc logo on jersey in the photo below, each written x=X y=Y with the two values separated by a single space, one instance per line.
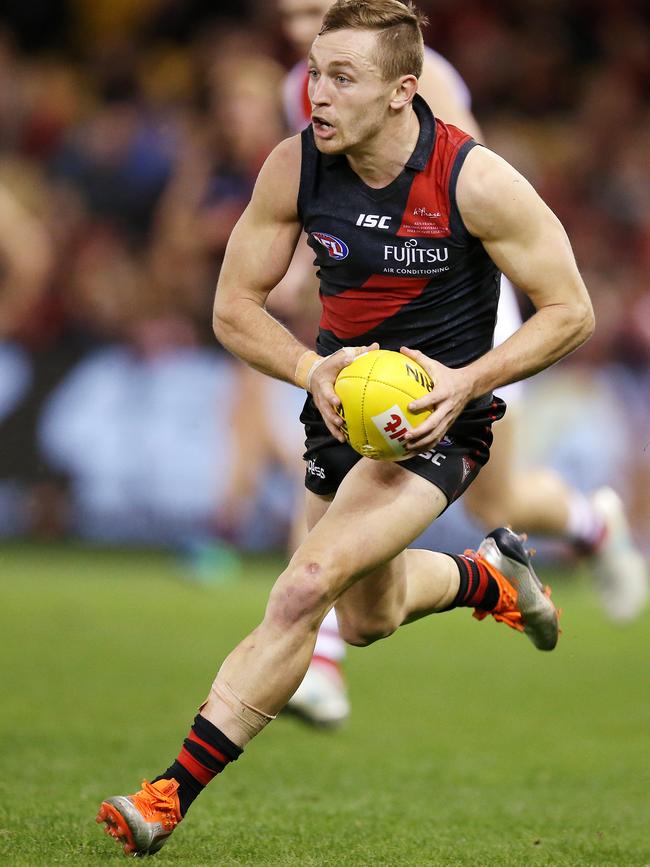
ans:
x=372 y=221
x=336 y=248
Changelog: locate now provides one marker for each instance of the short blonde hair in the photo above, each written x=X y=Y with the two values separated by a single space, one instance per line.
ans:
x=400 y=46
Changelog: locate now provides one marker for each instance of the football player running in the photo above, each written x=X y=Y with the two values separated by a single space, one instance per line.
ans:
x=372 y=139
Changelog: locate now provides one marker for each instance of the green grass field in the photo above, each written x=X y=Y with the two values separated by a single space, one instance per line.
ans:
x=466 y=746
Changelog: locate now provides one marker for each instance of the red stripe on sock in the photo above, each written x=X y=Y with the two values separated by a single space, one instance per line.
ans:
x=212 y=750
x=198 y=771
x=483 y=578
x=319 y=659
x=478 y=578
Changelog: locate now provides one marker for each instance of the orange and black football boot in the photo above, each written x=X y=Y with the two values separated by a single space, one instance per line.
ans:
x=142 y=822
x=524 y=603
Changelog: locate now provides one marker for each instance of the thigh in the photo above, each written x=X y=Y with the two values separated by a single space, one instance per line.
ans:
x=378 y=510
x=378 y=594
x=315 y=507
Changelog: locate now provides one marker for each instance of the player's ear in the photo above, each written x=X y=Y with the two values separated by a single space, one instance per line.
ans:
x=404 y=91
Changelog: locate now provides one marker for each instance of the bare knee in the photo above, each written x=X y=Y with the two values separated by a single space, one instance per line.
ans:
x=361 y=629
x=301 y=595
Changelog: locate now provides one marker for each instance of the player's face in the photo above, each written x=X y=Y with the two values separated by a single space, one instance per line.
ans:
x=301 y=21
x=348 y=95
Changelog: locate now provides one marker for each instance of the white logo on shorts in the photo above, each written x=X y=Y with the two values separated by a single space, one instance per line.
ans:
x=314 y=470
x=435 y=457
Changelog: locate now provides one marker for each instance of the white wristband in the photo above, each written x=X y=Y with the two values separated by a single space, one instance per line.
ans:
x=305 y=367
x=312 y=371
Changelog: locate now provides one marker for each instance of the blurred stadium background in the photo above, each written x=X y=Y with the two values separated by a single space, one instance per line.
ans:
x=130 y=137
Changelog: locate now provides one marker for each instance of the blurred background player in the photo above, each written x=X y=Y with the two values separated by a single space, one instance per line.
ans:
x=536 y=500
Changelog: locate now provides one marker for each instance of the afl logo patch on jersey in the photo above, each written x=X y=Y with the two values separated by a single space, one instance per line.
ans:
x=336 y=248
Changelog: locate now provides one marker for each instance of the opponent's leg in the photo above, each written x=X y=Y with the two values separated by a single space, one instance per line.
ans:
x=321 y=699
x=539 y=501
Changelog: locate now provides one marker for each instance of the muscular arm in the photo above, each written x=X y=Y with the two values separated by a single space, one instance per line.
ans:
x=528 y=243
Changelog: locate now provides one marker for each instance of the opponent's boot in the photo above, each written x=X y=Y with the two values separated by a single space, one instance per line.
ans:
x=142 y=822
x=524 y=603
x=621 y=575
x=321 y=699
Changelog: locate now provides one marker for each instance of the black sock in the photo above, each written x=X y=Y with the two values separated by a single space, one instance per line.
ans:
x=477 y=588
x=205 y=753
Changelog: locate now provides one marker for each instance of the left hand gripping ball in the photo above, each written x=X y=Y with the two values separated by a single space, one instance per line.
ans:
x=375 y=390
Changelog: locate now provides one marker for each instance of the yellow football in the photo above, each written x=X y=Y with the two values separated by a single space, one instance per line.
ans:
x=375 y=391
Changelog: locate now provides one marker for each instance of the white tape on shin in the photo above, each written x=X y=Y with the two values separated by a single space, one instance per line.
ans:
x=247 y=720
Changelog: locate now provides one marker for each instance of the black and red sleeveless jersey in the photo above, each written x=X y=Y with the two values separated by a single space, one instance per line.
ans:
x=397 y=265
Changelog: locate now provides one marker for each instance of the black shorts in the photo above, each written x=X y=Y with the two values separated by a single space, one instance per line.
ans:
x=451 y=466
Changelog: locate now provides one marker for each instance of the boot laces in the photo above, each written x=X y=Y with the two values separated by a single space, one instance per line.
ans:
x=505 y=611
x=156 y=805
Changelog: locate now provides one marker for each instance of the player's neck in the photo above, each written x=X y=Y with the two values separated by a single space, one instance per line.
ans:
x=381 y=160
